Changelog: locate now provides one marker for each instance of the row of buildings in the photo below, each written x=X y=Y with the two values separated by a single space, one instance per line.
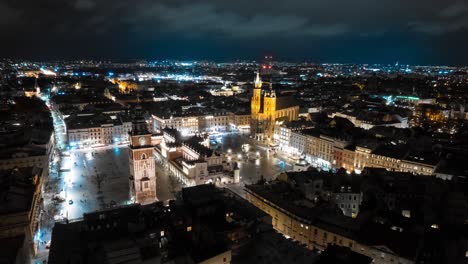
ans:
x=370 y=120
x=191 y=124
x=332 y=147
x=391 y=217
x=20 y=212
x=204 y=225
x=27 y=145
x=90 y=129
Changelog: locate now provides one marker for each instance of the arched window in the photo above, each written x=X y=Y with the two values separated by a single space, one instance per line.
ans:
x=144 y=181
x=143 y=156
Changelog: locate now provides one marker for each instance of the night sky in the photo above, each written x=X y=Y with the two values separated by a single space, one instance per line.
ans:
x=360 y=31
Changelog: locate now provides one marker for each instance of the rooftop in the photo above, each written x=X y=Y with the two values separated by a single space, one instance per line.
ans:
x=334 y=254
x=17 y=188
x=90 y=121
x=392 y=151
x=315 y=212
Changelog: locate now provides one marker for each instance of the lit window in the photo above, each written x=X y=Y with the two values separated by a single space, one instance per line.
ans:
x=189 y=228
x=406 y=213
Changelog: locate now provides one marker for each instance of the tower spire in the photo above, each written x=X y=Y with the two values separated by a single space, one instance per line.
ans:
x=258 y=81
x=272 y=91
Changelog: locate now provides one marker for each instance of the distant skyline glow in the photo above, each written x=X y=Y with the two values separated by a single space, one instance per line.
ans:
x=418 y=32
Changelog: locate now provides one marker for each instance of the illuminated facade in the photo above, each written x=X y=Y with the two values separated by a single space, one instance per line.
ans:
x=218 y=122
x=22 y=217
x=85 y=131
x=267 y=108
x=366 y=122
x=142 y=165
x=125 y=87
x=319 y=234
x=191 y=161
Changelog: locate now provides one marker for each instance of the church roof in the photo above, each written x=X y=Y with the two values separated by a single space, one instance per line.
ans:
x=284 y=102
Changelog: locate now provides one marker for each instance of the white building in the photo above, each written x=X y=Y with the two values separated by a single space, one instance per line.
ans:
x=85 y=131
x=214 y=122
x=393 y=120
x=191 y=160
x=185 y=124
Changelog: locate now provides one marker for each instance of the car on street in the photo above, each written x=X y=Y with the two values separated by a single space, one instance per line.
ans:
x=70 y=202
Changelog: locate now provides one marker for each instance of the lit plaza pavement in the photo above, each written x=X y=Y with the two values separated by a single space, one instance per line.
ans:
x=75 y=177
x=254 y=163
x=95 y=179
x=86 y=180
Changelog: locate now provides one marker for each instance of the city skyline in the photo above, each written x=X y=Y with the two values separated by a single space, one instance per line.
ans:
x=416 y=32
x=219 y=132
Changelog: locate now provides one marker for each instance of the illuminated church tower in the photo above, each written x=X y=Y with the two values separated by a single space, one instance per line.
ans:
x=266 y=109
x=269 y=112
x=257 y=94
x=256 y=127
x=142 y=166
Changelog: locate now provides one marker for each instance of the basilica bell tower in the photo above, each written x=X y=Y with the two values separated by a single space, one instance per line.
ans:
x=142 y=166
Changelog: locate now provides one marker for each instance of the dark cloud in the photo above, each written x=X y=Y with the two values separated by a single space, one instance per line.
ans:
x=127 y=25
x=450 y=19
x=84 y=4
x=200 y=18
x=8 y=15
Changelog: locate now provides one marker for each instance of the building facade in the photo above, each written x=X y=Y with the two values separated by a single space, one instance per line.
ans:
x=319 y=234
x=21 y=218
x=214 y=122
x=267 y=108
x=142 y=165
x=84 y=131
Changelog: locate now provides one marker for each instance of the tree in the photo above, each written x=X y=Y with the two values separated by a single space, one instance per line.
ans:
x=98 y=179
